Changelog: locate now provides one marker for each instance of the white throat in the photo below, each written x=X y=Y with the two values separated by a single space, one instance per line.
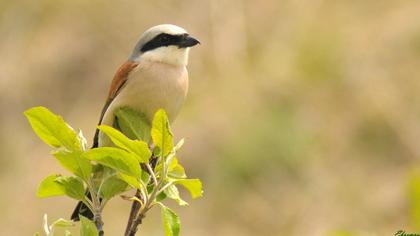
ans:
x=171 y=55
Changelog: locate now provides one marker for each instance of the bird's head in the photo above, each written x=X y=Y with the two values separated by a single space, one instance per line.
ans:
x=164 y=43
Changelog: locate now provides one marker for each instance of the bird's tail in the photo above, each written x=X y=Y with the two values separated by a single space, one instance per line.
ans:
x=82 y=209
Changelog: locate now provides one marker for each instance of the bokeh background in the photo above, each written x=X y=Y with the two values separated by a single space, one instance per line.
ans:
x=303 y=117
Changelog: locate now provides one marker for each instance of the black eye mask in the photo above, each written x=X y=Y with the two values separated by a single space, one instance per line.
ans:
x=164 y=40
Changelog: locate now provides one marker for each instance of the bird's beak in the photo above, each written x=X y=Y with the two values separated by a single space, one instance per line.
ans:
x=188 y=41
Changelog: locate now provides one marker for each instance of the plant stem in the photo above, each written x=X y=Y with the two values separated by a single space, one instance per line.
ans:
x=99 y=223
x=135 y=207
x=97 y=208
x=149 y=168
x=135 y=219
x=136 y=223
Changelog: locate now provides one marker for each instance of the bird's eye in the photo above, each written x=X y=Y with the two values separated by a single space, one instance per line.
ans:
x=164 y=38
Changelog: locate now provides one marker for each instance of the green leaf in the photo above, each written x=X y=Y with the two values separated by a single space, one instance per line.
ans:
x=173 y=164
x=161 y=132
x=171 y=222
x=144 y=177
x=62 y=223
x=87 y=228
x=133 y=124
x=179 y=145
x=132 y=181
x=52 y=129
x=112 y=186
x=73 y=162
x=173 y=193
x=115 y=158
x=139 y=148
x=161 y=196
x=99 y=173
x=413 y=197
x=194 y=186
x=72 y=186
x=49 y=188
x=83 y=141
x=175 y=170
x=343 y=233
x=57 y=185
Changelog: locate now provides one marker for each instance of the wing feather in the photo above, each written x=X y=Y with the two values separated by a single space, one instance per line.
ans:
x=118 y=82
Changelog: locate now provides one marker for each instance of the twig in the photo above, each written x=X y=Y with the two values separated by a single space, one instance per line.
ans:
x=136 y=223
x=99 y=223
x=135 y=218
x=149 y=168
x=135 y=207
x=96 y=205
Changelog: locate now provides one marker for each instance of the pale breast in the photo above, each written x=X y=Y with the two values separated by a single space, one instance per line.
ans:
x=153 y=86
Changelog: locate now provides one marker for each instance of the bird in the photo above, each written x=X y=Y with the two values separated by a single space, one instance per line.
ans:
x=154 y=77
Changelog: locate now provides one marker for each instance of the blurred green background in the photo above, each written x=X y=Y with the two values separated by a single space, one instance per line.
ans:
x=303 y=117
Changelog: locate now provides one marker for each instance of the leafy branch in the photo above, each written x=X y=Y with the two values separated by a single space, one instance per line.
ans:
x=140 y=158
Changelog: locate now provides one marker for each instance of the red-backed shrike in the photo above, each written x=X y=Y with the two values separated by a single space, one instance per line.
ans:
x=154 y=76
